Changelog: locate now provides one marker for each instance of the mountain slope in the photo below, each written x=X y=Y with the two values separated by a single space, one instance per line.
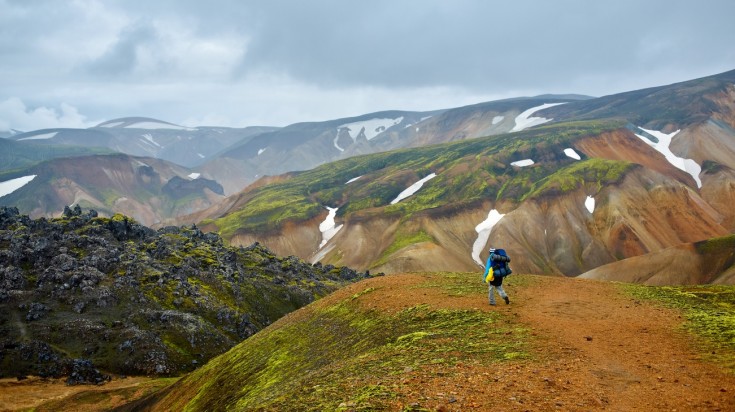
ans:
x=141 y=136
x=133 y=300
x=546 y=226
x=707 y=261
x=18 y=155
x=149 y=190
x=430 y=342
x=568 y=196
x=303 y=146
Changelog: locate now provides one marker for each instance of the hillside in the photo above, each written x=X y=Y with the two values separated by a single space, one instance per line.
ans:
x=652 y=172
x=546 y=221
x=142 y=136
x=147 y=189
x=81 y=292
x=420 y=342
x=707 y=261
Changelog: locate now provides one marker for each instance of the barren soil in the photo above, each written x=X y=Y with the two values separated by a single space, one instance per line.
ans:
x=593 y=349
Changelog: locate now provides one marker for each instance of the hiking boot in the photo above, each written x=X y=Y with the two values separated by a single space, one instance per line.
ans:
x=507 y=301
x=492 y=303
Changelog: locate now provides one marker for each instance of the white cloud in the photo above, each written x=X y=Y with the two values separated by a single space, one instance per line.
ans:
x=14 y=114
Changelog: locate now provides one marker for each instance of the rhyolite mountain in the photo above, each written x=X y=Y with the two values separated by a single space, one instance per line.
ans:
x=81 y=292
x=142 y=136
x=607 y=179
x=149 y=190
x=303 y=146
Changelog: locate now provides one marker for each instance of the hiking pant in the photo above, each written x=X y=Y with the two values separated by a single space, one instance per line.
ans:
x=491 y=294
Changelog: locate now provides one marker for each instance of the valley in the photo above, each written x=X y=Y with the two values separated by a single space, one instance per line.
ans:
x=146 y=265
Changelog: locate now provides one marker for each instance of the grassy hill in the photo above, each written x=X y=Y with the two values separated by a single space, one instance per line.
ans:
x=429 y=341
x=468 y=171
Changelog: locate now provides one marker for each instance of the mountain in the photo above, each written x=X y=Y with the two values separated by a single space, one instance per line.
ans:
x=150 y=190
x=81 y=292
x=141 y=136
x=430 y=342
x=563 y=198
x=707 y=261
x=303 y=146
x=18 y=155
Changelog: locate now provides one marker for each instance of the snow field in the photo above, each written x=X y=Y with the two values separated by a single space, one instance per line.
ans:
x=372 y=127
x=571 y=153
x=412 y=189
x=327 y=227
x=664 y=141
x=522 y=163
x=9 y=186
x=483 y=234
x=524 y=121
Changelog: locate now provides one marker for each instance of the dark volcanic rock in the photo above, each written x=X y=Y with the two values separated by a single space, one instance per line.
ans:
x=84 y=292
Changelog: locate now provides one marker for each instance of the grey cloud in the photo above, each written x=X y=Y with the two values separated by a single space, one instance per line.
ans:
x=122 y=57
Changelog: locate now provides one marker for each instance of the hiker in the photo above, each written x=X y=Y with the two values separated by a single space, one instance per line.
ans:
x=496 y=268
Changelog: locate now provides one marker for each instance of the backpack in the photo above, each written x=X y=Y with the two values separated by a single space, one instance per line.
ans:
x=495 y=269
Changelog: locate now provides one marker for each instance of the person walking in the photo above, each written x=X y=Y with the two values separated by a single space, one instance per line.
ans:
x=496 y=269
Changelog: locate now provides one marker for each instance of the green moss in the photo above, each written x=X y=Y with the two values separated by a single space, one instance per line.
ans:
x=709 y=312
x=715 y=245
x=467 y=171
x=595 y=171
x=403 y=239
x=331 y=357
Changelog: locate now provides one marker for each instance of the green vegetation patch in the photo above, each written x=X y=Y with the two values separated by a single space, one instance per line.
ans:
x=467 y=171
x=351 y=356
x=401 y=241
x=595 y=171
x=709 y=311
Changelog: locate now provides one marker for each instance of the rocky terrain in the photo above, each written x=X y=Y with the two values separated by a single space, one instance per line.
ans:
x=82 y=292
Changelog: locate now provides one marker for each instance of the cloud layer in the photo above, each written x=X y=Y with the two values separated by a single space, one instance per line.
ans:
x=245 y=63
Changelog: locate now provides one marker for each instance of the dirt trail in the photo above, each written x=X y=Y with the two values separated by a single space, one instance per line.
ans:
x=608 y=350
x=594 y=349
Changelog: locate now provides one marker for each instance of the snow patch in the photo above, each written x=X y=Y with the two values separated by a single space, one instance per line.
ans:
x=260 y=151
x=498 y=119
x=483 y=234
x=412 y=189
x=353 y=179
x=524 y=121
x=327 y=227
x=156 y=125
x=371 y=128
x=335 y=143
x=9 y=186
x=417 y=129
x=424 y=118
x=664 y=141
x=114 y=124
x=43 y=136
x=571 y=153
x=201 y=155
x=149 y=137
x=589 y=203
x=194 y=175
x=522 y=163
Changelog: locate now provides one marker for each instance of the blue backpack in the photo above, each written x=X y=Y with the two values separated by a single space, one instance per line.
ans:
x=501 y=269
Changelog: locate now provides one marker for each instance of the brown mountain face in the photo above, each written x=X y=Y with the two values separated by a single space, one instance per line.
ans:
x=654 y=206
x=149 y=190
x=709 y=261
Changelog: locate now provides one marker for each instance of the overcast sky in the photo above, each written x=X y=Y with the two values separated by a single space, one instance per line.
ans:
x=75 y=63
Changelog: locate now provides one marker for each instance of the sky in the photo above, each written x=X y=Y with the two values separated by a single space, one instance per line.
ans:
x=238 y=63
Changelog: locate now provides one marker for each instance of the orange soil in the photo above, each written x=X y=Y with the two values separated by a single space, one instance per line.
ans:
x=594 y=349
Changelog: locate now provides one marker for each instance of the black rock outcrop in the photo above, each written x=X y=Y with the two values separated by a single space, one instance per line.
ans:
x=83 y=292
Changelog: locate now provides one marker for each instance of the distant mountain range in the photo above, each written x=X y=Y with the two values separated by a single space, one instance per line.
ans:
x=608 y=179
x=566 y=183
